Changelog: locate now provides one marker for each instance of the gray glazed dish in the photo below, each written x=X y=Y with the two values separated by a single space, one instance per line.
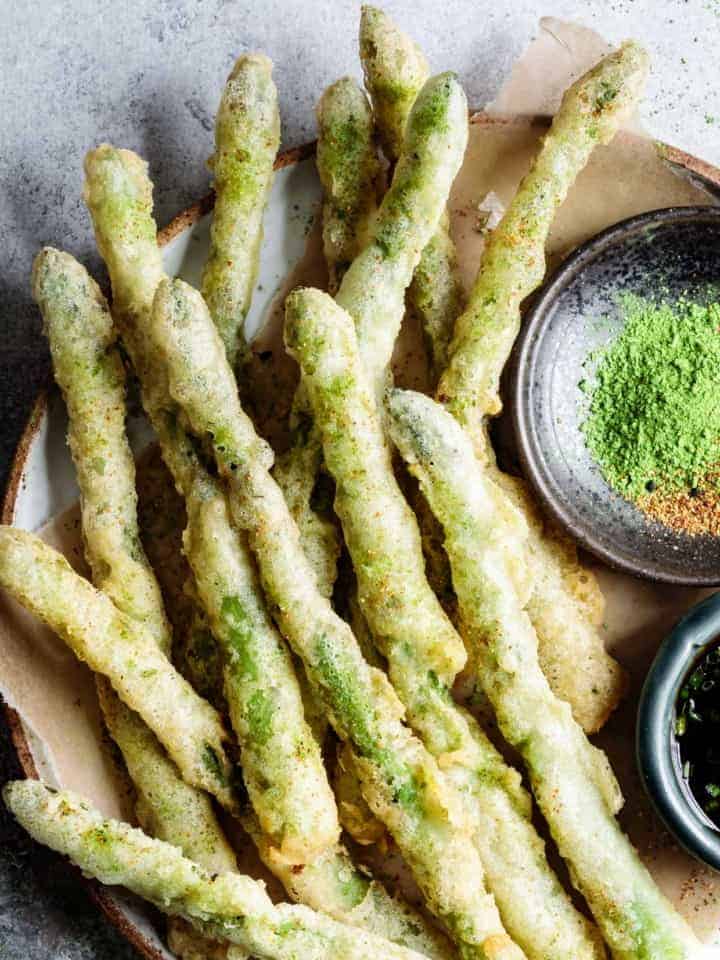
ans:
x=657 y=751
x=673 y=251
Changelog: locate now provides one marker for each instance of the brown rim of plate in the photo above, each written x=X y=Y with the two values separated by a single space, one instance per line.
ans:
x=703 y=171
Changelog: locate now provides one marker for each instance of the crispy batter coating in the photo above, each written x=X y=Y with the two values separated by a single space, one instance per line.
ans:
x=126 y=653
x=169 y=808
x=373 y=288
x=566 y=606
x=282 y=765
x=400 y=779
x=513 y=260
x=350 y=172
x=565 y=771
x=295 y=824
x=228 y=906
x=90 y=373
x=247 y=136
x=416 y=637
x=395 y=72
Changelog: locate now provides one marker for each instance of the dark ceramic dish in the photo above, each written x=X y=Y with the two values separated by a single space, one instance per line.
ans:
x=657 y=751
x=670 y=252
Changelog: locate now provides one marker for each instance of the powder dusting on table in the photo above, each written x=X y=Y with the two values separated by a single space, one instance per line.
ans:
x=653 y=421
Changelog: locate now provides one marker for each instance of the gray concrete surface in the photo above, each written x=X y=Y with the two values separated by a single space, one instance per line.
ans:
x=147 y=76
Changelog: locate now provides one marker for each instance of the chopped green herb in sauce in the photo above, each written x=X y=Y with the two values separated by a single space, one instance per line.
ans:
x=697 y=732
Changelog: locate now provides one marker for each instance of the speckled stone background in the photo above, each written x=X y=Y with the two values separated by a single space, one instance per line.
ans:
x=147 y=76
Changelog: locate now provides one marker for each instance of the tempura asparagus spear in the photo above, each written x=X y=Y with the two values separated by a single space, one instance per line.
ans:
x=349 y=169
x=513 y=260
x=636 y=920
x=90 y=373
x=433 y=148
x=281 y=761
x=230 y=906
x=91 y=376
x=247 y=136
x=297 y=828
x=566 y=599
x=111 y=643
x=373 y=288
x=436 y=296
x=380 y=530
x=119 y=195
x=395 y=71
x=400 y=779
x=169 y=808
x=412 y=631
x=282 y=765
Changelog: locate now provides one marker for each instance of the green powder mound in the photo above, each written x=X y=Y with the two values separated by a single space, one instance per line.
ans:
x=654 y=414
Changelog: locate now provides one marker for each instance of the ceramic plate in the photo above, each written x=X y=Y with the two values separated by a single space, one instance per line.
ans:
x=577 y=315
x=42 y=482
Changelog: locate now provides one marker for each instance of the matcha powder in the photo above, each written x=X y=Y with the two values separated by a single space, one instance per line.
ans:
x=653 y=422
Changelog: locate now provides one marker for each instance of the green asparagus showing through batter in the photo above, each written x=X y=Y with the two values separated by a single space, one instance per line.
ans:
x=295 y=817
x=247 y=136
x=228 y=906
x=350 y=172
x=400 y=779
x=118 y=194
x=230 y=594
x=636 y=920
x=91 y=375
x=281 y=761
x=513 y=260
x=373 y=288
x=566 y=606
x=436 y=297
x=416 y=637
x=349 y=169
x=395 y=71
x=282 y=767
x=167 y=807
x=424 y=652
x=126 y=653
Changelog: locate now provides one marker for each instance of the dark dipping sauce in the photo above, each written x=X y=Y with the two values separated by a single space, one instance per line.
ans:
x=697 y=733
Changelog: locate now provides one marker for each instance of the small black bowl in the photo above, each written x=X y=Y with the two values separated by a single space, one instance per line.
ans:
x=673 y=252
x=657 y=753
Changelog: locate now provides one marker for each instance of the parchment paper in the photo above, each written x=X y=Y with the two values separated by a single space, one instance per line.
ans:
x=55 y=695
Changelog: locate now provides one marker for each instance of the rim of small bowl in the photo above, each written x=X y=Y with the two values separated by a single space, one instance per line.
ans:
x=698 y=631
x=523 y=417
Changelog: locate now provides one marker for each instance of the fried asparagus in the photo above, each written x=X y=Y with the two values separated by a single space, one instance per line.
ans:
x=228 y=906
x=295 y=823
x=90 y=373
x=414 y=634
x=635 y=918
x=566 y=605
x=395 y=71
x=400 y=779
x=247 y=136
